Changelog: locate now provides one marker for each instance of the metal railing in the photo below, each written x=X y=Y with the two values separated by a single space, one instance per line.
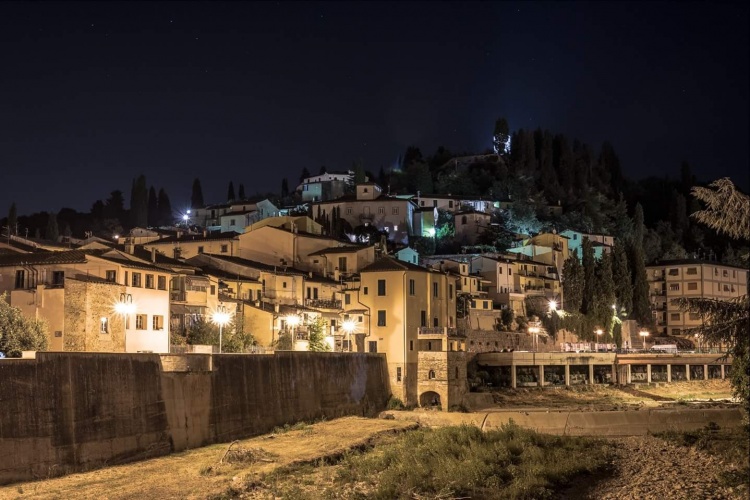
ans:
x=437 y=330
x=323 y=303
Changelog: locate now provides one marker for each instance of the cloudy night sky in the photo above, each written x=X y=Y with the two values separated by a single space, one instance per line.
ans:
x=94 y=94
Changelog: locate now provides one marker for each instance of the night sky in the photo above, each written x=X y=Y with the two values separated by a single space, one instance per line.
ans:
x=94 y=94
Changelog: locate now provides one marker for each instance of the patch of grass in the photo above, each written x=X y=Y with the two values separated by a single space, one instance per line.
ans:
x=299 y=426
x=465 y=462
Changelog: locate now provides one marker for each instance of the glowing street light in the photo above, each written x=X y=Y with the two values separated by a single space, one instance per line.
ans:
x=349 y=325
x=644 y=334
x=534 y=330
x=221 y=317
x=552 y=305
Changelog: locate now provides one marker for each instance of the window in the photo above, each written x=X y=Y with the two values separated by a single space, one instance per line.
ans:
x=364 y=291
x=412 y=287
x=674 y=272
x=435 y=322
x=213 y=289
x=456 y=375
x=499 y=270
x=200 y=250
x=676 y=331
x=347 y=299
x=381 y=318
x=674 y=287
x=157 y=322
x=381 y=210
x=111 y=276
x=692 y=270
x=411 y=345
x=104 y=325
x=372 y=346
x=398 y=374
x=674 y=317
x=283 y=284
x=725 y=273
x=58 y=278
x=450 y=292
x=726 y=288
x=342 y=264
x=694 y=316
x=381 y=288
x=348 y=210
x=423 y=317
x=137 y=279
x=434 y=203
x=394 y=210
x=692 y=286
x=149 y=281
x=450 y=203
x=463 y=219
x=510 y=271
x=434 y=289
x=421 y=203
x=224 y=248
x=231 y=222
x=161 y=282
x=140 y=321
x=431 y=375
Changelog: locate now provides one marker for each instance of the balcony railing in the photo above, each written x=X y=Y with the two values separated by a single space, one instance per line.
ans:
x=323 y=303
x=177 y=296
x=438 y=330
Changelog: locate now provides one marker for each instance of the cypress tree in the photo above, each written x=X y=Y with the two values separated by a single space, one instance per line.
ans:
x=622 y=278
x=166 y=217
x=196 y=198
x=572 y=284
x=589 y=276
x=139 y=204
x=230 y=192
x=304 y=175
x=53 y=232
x=604 y=291
x=641 y=307
x=153 y=208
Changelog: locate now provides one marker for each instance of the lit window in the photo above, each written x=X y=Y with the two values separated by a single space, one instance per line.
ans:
x=104 y=325
x=158 y=322
x=140 y=321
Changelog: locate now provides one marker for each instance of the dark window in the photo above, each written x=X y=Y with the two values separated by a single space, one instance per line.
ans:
x=200 y=249
x=161 y=282
x=381 y=287
x=224 y=248
x=381 y=318
x=137 y=279
x=149 y=281
x=58 y=278
x=20 y=279
x=412 y=287
x=111 y=276
x=372 y=346
x=347 y=299
x=450 y=291
x=411 y=345
x=423 y=318
x=431 y=374
x=213 y=289
x=342 y=264
x=434 y=322
x=364 y=291
x=398 y=374
x=434 y=289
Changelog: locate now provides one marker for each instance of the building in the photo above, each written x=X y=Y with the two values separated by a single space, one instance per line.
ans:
x=236 y=220
x=185 y=245
x=92 y=300
x=438 y=201
x=325 y=187
x=470 y=224
x=601 y=242
x=689 y=278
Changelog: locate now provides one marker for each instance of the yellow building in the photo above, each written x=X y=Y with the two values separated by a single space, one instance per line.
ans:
x=688 y=278
x=410 y=309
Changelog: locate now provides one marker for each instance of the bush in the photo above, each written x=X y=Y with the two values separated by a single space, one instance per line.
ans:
x=19 y=333
x=395 y=404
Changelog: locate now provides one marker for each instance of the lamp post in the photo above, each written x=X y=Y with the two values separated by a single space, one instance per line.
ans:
x=644 y=334
x=124 y=307
x=599 y=333
x=293 y=320
x=221 y=318
x=534 y=330
x=348 y=326
x=698 y=340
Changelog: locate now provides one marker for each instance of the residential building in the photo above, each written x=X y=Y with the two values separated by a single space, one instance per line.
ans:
x=188 y=245
x=237 y=219
x=408 y=254
x=325 y=187
x=438 y=201
x=282 y=247
x=601 y=242
x=690 y=278
x=549 y=248
x=470 y=224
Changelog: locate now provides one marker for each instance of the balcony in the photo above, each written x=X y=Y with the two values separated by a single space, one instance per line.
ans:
x=438 y=331
x=323 y=303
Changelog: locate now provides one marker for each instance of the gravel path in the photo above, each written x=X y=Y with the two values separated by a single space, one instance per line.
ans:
x=651 y=468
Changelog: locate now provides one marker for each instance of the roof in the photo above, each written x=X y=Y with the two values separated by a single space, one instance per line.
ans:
x=135 y=264
x=351 y=198
x=44 y=258
x=220 y=273
x=279 y=269
x=342 y=249
x=195 y=237
x=678 y=262
x=391 y=264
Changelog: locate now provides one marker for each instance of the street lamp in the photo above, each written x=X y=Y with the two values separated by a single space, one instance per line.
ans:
x=644 y=334
x=552 y=306
x=348 y=325
x=599 y=333
x=220 y=317
x=698 y=339
x=125 y=306
x=534 y=330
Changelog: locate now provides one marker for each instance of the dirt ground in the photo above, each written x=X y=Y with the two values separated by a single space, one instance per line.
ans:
x=198 y=473
x=644 y=467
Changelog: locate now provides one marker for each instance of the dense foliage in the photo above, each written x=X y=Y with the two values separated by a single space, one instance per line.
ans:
x=19 y=333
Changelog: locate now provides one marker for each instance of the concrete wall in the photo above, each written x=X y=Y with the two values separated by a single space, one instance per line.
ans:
x=66 y=412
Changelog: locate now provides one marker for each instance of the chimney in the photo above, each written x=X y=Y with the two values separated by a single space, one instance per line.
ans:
x=153 y=255
x=129 y=246
x=310 y=274
x=336 y=274
x=276 y=308
x=205 y=233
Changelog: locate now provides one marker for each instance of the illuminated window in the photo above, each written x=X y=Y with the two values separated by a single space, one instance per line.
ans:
x=104 y=325
x=157 y=322
x=381 y=318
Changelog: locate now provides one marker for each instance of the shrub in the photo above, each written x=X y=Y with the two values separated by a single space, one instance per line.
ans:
x=395 y=404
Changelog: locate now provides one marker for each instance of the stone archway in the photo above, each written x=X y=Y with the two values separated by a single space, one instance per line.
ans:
x=429 y=399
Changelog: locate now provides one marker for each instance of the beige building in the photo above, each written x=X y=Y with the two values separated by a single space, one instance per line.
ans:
x=92 y=300
x=186 y=245
x=411 y=309
x=470 y=224
x=675 y=279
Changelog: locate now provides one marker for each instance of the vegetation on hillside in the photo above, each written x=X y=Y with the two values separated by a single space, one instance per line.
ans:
x=19 y=333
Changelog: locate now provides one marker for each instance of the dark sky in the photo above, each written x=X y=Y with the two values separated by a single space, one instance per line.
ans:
x=93 y=94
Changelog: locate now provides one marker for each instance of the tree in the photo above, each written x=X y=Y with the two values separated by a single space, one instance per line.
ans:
x=203 y=332
x=501 y=137
x=316 y=335
x=285 y=342
x=235 y=338
x=166 y=217
x=53 y=231
x=153 y=208
x=139 y=203
x=726 y=321
x=230 y=192
x=589 y=275
x=19 y=333
x=12 y=219
x=241 y=192
x=637 y=264
x=573 y=280
x=196 y=198
x=304 y=175
x=359 y=173
x=604 y=289
x=622 y=276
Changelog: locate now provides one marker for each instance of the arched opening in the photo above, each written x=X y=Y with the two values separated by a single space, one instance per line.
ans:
x=430 y=399
x=431 y=375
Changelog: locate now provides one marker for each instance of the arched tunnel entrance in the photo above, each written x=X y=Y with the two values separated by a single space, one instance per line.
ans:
x=429 y=399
